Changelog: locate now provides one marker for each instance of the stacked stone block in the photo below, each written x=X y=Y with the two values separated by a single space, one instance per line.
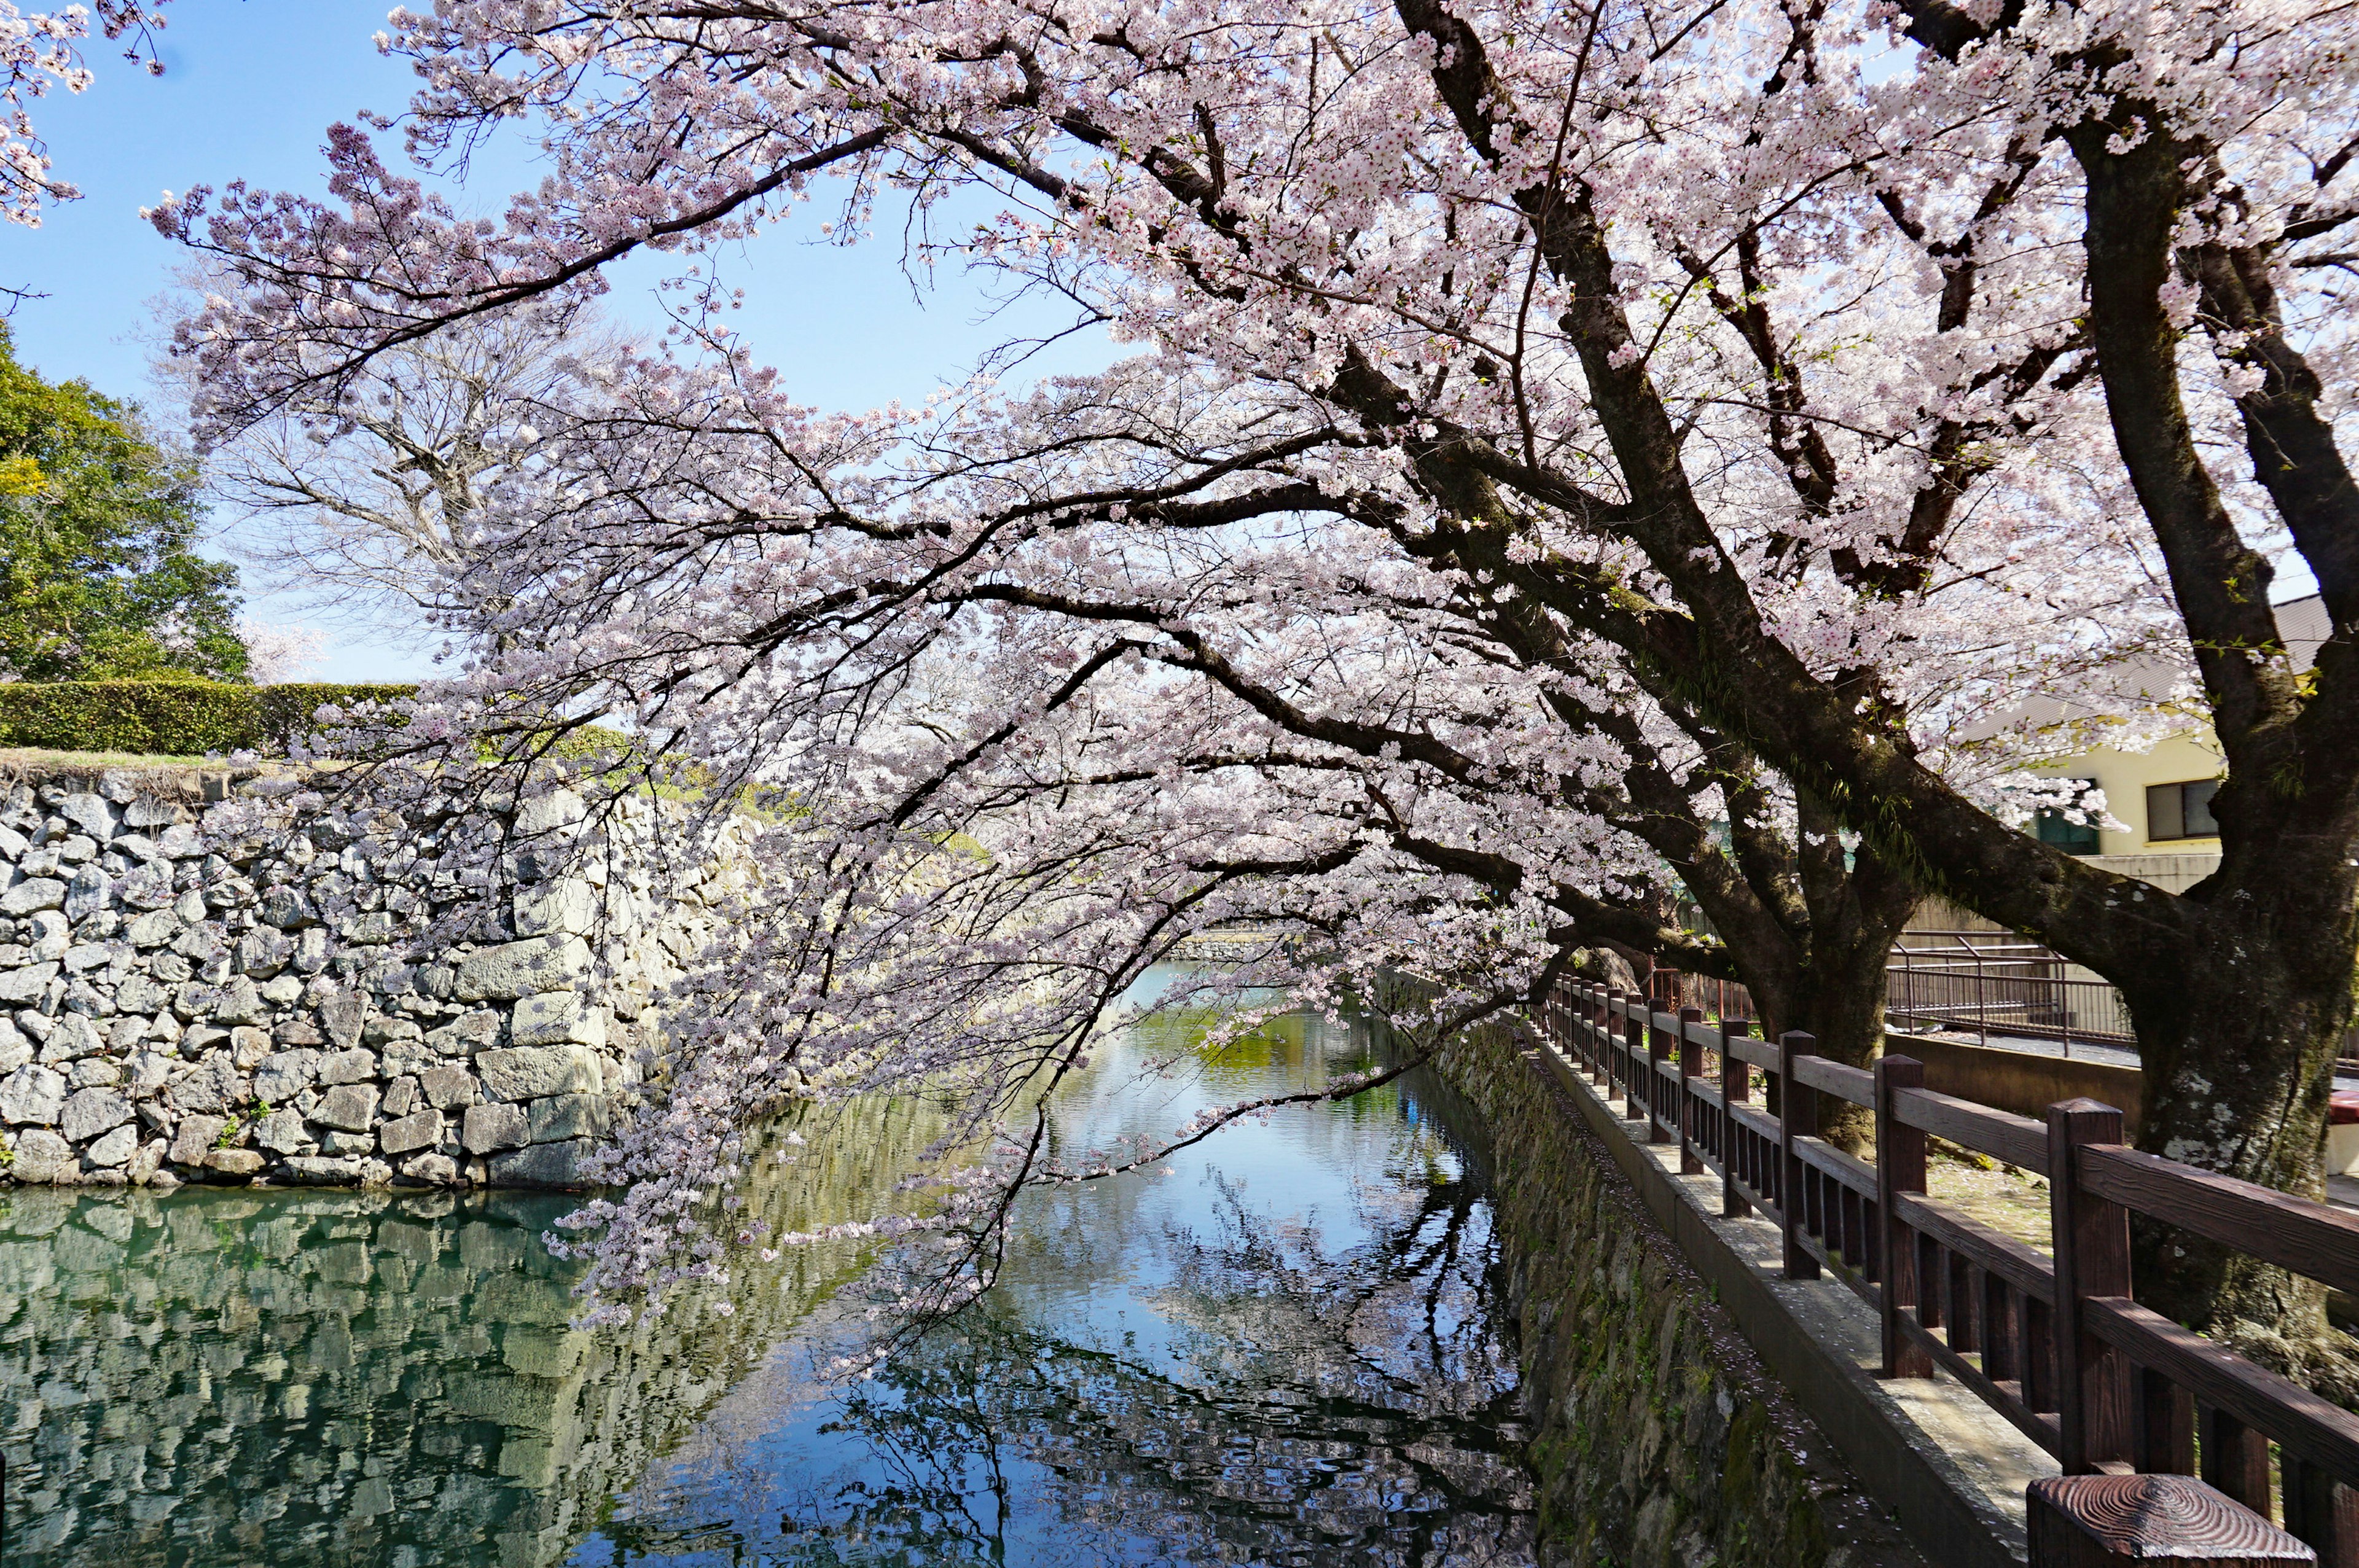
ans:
x=178 y=1004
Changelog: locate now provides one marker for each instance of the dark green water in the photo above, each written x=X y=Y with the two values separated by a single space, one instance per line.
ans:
x=1279 y=1352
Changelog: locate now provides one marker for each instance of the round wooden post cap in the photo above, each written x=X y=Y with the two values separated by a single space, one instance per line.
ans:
x=2155 y=1519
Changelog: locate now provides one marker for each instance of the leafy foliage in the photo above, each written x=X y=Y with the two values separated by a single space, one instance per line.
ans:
x=171 y=717
x=98 y=577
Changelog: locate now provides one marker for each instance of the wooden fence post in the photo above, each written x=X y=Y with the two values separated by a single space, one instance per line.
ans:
x=1899 y=1168
x=1691 y=1058
x=2091 y=1239
x=1798 y=1117
x=1735 y=1088
x=2155 y=1521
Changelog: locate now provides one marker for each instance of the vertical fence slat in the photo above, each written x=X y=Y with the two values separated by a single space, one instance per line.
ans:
x=2092 y=1240
x=2162 y=1426
x=1798 y=1117
x=2235 y=1459
x=1633 y=1053
x=1657 y=1051
x=1691 y=1058
x=2323 y=1512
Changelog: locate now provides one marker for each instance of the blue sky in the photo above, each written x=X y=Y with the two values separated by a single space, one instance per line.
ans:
x=249 y=88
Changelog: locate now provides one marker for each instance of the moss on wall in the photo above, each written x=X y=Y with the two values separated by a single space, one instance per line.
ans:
x=1658 y=1439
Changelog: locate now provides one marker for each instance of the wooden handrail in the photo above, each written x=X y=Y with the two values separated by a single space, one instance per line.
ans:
x=2277 y=1227
x=2051 y=1341
x=1833 y=1077
x=2018 y=1140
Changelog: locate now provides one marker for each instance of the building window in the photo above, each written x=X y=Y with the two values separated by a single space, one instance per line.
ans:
x=2181 y=810
x=2072 y=837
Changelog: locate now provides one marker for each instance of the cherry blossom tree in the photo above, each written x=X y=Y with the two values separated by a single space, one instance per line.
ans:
x=39 y=50
x=1529 y=396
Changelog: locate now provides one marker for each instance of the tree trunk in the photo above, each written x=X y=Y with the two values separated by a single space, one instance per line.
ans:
x=2238 y=1042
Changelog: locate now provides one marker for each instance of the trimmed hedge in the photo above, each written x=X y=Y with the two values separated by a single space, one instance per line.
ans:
x=168 y=718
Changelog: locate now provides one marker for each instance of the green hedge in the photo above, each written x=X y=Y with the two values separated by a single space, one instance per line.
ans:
x=175 y=718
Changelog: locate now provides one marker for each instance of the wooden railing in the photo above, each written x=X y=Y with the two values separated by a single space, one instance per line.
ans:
x=2054 y=1341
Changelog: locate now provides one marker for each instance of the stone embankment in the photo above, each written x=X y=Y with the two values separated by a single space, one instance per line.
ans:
x=1658 y=1440
x=181 y=1000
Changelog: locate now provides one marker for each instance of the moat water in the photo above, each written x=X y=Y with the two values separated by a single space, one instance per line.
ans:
x=1281 y=1348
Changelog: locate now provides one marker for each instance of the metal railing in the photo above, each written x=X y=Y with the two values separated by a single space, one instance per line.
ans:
x=2054 y=1341
x=1991 y=982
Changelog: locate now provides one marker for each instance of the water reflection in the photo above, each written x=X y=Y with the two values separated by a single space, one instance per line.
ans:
x=1279 y=1352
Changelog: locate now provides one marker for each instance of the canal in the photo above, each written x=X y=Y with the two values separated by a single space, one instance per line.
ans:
x=1279 y=1347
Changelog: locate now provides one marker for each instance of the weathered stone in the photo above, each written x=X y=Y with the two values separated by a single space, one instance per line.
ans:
x=214 y=1086
x=34 y=1094
x=543 y=1165
x=144 y=1161
x=32 y=893
x=196 y=1138
x=486 y=1128
x=352 y=1067
x=235 y=1163
x=436 y=1169
x=534 y=1072
x=324 y=1171
x=15 y=1049
x=114 y=1149
x=448 y=1089
x=91 y=890
x=43 y=1156
x=313 y=950
x=282 y=992
x=149 y=1071
x=247 y=1046
x=521 y=968
x=21 y=987
x=372 y=929
x=568 y=1116
x=84 y=957
x=401 y=1098
x=405 y=1058
x=297 y=1032
x=468 y=1035
x=72 y=1038
x=152 y=930
x=93 y=814
x=263 y=951
x=283 y=1132
x=144 y=814
x=237 y=1001
x=100 y=1072
x=567 y=906
x=348 y=1107
x=422 y=1130
x=281 y=1076
x=287 y=907
x=89 y=1112
x=557 y=1018
x=340 y=1141
x=343 y=1016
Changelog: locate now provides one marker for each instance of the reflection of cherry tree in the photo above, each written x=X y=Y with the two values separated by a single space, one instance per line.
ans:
x=1310 y=1402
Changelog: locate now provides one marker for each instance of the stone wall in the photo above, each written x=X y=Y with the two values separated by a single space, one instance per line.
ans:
x=1658 y=1438
x=366 y=1378
x=184 y=996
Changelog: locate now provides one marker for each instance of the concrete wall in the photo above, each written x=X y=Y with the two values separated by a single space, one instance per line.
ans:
x=185 y=997
x=2020 y=1081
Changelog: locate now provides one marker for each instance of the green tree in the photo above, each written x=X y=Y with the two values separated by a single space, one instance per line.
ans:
x=99 y=576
